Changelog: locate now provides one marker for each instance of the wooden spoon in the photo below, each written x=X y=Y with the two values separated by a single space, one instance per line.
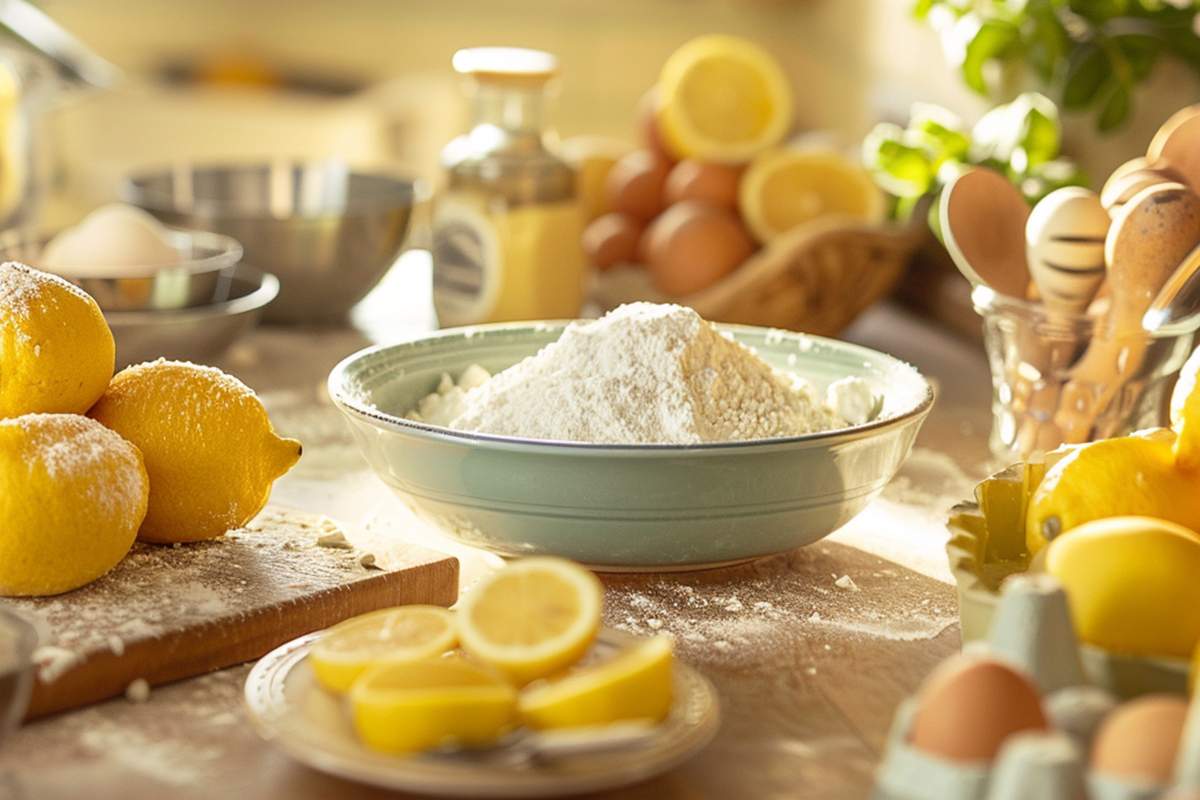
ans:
x=1064 y=240
x=1132 y=177
x=983 y=219
x=1177 y=143
x=1148 y=239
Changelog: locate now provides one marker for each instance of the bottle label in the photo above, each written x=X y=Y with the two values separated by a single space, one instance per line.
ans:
x=466 y=263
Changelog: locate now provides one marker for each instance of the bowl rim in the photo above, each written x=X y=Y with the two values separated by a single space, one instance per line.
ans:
x=226 y=252
x=132 y=188
x=335 y=386
x=261 y=296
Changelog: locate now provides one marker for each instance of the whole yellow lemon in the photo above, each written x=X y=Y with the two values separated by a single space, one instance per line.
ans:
x=1128 y=476
x=72 y=495
x=56 y=351
x=210 y=451
x=1131 y=583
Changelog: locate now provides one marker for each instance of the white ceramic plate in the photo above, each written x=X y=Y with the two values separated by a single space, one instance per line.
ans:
x=313 y=726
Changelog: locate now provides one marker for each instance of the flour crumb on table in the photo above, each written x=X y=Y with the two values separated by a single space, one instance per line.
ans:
x=643 y=374
x=334 y=541
x=138 y=691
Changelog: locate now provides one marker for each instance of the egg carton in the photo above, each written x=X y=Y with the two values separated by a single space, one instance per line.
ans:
x=1032 y=632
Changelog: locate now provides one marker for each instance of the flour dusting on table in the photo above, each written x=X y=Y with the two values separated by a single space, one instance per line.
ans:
x=643 y=374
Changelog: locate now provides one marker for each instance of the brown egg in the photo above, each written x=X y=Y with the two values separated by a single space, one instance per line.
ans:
x=635 y=184
x=1140 y=739
x=648 y=130
x=612 y=239
x=692 y=246
x=714 y=184
x=970 y=704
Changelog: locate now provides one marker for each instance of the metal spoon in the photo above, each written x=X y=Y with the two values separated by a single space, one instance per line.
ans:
x=1176 y=307
x=983 y=220
x=525 y=746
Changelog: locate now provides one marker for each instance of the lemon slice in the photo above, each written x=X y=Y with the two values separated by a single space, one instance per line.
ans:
x=532 y=618
x=785 y=188
x=634 y=685
x=393 y=635
x=420 y=705
x=723 y=99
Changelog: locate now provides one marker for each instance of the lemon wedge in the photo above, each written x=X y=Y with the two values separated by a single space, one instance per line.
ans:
x=785 y=188
x=420 y=705
x=636 y=684
x=393 y=635
x=723 y=99
x=532 y=618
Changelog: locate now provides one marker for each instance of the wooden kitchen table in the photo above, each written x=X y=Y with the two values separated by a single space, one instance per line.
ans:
x=809 y=668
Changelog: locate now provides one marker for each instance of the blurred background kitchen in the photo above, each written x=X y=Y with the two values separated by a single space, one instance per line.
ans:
x=369 y=83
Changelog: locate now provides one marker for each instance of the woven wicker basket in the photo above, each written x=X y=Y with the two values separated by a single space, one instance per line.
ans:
x=816 y=279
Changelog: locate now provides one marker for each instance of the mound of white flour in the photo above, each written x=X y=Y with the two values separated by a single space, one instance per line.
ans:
x=643 y=374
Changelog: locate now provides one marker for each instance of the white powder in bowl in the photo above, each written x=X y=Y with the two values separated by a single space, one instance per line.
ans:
x=643 y=374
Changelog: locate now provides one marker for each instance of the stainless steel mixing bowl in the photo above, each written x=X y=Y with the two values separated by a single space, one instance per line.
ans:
x=201 y=276
x=193 y=334
x=328 y=232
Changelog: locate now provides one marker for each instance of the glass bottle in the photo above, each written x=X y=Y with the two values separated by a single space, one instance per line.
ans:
x=506 y=228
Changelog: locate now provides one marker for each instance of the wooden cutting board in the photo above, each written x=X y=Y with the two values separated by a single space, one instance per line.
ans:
x=166 y=613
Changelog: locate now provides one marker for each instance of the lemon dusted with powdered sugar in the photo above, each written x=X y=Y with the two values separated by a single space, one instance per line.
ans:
x=72 y=495
x=56 y=350
x=210 y=450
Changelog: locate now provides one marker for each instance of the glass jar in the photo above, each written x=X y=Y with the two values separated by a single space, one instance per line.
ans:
x=1045 y=367
x=507 y=226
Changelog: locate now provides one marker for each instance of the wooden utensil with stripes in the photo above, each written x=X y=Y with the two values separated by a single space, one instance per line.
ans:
x=1064 y=239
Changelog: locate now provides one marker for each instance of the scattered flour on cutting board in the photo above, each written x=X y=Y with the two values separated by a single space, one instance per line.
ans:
x=643 y=374
x=160 y=589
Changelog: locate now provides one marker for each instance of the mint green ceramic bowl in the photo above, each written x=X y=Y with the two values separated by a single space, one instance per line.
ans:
x=633 y=506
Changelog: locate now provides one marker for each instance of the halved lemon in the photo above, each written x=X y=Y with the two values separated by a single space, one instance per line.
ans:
x=723 y=99
x=636 y=684
x=532 y=618
x=393 y=635
x=785 y=188
x=406 y=708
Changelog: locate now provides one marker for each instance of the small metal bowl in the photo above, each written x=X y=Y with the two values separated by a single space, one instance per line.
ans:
x=201 y=276
x=198 y=333
x=17 y=642
x=328 y=232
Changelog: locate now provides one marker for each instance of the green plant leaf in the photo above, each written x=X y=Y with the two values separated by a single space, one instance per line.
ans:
x=1048 y=41
x=1086 y=73
x=1099 y=11
x=1040 y=135
x=899 y=166
x=1116 y=107
x=921 y=8
x=941 y=129
x=1141 y=51
x=993 y=39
